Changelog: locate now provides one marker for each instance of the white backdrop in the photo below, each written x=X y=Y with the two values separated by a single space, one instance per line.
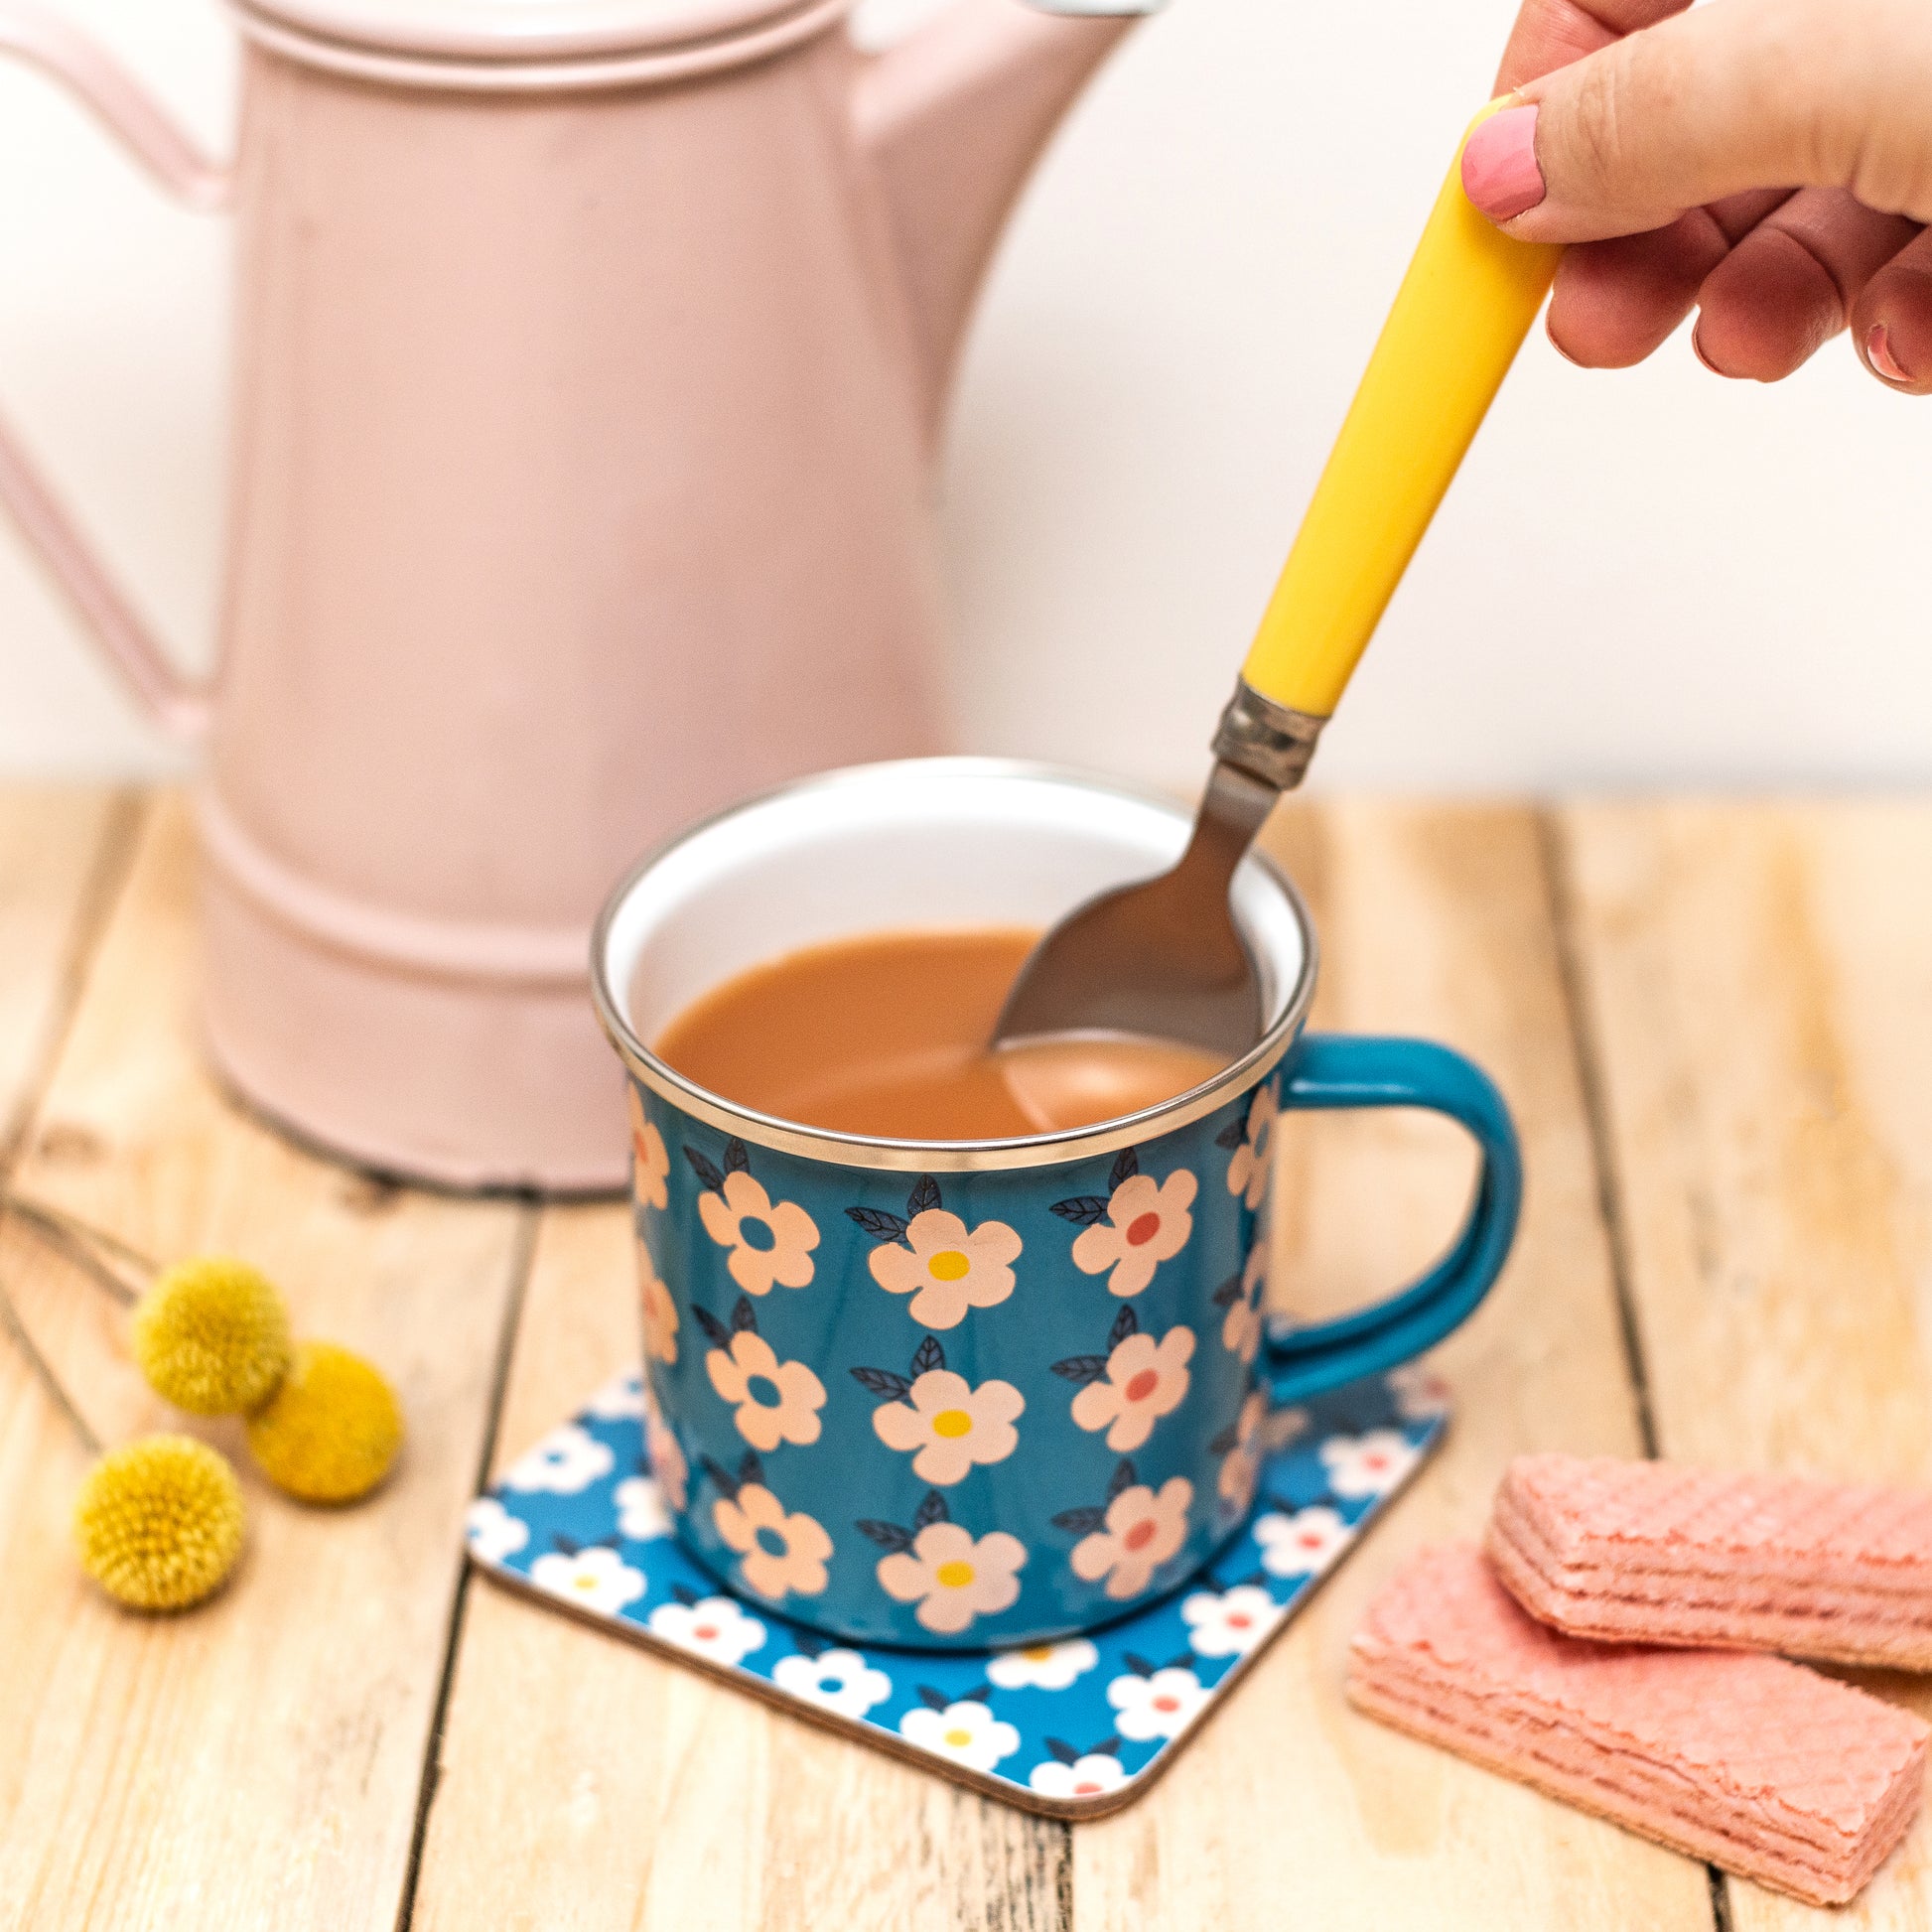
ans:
x=1652 y=577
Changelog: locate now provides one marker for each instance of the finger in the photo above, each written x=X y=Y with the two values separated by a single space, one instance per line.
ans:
x=1788 y=286
x=1551 y=33
x=1618 y=301
x=1891 y=321
x=1736 y=95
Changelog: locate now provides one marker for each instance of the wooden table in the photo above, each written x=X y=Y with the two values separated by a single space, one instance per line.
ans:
x=1715 y=1023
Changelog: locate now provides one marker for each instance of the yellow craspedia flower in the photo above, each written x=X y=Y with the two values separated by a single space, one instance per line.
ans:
x=212 y=1336
x=330 y=1433
x=157 y=1522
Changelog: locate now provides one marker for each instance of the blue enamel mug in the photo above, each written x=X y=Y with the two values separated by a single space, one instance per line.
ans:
x=960 y=1395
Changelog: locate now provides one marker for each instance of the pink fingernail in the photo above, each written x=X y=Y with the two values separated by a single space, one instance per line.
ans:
x=1877 y=349
x=1499 y=171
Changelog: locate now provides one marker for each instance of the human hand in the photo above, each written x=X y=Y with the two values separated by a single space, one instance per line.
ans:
x=1769 y=161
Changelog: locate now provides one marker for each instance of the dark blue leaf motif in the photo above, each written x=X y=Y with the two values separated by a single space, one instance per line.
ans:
x=1233 y=1134
x=889 y=1536
x=742 y=1317
x=737 y=1160
x=882 y=1381
x=1139 y=1665
x=1126 y=1324
x=977 y=1694
x=1186 y=1661
x=932 y=1510
x=565 y=1545
x=704 y=1169
x=714 y=1330
x=726 y=1481
x=751 y=1469
x=684 y=1593
x=1080 y=1368
x=931 y=1699
x=1062 y=1751
x=877 y=1223
x=1124 y=1478
x=810 y=1643
x=928 y=1356
x=1126 y=1167
x=1223 y=1444
x=1229 y=1293
x=923 y=1198
x=1087 y=1210
x=1107 y=1748
x=1082 y=1521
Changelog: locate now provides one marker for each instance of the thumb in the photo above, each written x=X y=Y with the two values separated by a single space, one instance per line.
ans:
x=1731 y=97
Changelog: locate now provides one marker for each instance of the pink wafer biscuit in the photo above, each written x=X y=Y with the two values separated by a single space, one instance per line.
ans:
x=1758 y=1766
x=1650 y=1553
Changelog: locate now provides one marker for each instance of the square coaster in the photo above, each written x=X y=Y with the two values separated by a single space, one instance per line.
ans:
x=1069 y=1730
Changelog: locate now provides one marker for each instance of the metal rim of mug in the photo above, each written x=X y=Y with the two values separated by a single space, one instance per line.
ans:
x=946 y=1156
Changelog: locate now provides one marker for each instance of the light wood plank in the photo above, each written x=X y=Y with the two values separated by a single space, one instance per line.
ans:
x=1759 y=988
x=1291 y=1809
x=256 y=1763
x=587 y=1783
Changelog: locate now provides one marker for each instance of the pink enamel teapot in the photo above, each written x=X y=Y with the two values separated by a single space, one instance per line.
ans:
x=588 y=361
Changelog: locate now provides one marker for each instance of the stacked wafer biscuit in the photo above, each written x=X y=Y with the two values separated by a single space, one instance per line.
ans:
x=1675 y=1729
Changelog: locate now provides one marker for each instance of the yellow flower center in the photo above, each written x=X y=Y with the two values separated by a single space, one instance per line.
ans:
x=959 y=1739
x=949 y=1265
x=1037 y=1653
x=582 y=1581
x=954 y=1575
x=952 y=1422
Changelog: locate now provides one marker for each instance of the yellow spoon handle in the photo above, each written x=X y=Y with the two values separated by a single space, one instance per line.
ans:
x=1460 y=317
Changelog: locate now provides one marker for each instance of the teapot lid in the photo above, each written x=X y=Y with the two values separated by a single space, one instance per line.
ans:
x=521 y=30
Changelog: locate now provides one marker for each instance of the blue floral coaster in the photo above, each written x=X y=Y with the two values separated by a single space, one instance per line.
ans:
x=1071 y=1730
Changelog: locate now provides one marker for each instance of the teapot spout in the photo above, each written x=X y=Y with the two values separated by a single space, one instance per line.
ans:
x=952 y=120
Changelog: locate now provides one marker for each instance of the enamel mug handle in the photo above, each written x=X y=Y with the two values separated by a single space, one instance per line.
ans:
x=1460 y=317
x=1333 y=1070
x=127 y=111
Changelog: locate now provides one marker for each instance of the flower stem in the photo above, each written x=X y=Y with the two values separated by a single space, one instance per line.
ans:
x=81 y=1244
x=10 y=1318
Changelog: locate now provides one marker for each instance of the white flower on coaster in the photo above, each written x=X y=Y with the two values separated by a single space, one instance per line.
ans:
x=642 y=1515
x=650 y=1165
x=1041 y=1666
x=1083 y=1776
x=1302 y=1545
x=1254 y=1145
x=667 y=1457
x=835 y=1680
x=1239 y=1447
x=566 y=1463
x=941 y=1419
x=772 y=1402
x=967 y=1733
x=1153 y=1703
x=620 y=1400
x=1130 y=1388
x=596 y=1579
x=781 y=1552
x=713 y=1627
x=1367 y=1465
x=770 y=1242
x=1230 y=1623
x=661 y=1311
x=493 y=1532
x=952 y=1576
x=1420 y=1393
x=1129 y=1232
x=1129 y=1537
x=1242 y=1296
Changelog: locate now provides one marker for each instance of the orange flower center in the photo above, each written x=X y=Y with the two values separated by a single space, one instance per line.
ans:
x=1037 y=1653
x=954 y=1575
x=1142 y=1228
x=1141 y=1535
x=1166 y=1703
x=1142 y=1386
x=1085 y=1788
x=952 y=1422
x=949 y=1265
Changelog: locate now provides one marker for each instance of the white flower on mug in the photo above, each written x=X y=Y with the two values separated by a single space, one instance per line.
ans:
x=931 y=1255
x=1419 y=1393
x=650 y=1166
x=642 y=1515
x=1086 y=1776
x=772 y=1402
x=941 y=1419
x=1229 y=1622
x=835 y=1680
x=1128 y=1232
x=665 y=1455
x=780 y=1552
x=952 y=1576
x=1367 y=1465
x=1242 y=1295
x=1126 y=1539
x=1253 y=1143
x=1239 y=1448
x=494 y=1534
x=1151 y=1703
x=967 y=1733
x=566 y=1463
x=620 y=1400
x=661 y=1311
x=1130 y=1388
x=770 y=1242
x=713 y=1627
x=1302 y=1545
x=1041 y=1666
x=596 y=1579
